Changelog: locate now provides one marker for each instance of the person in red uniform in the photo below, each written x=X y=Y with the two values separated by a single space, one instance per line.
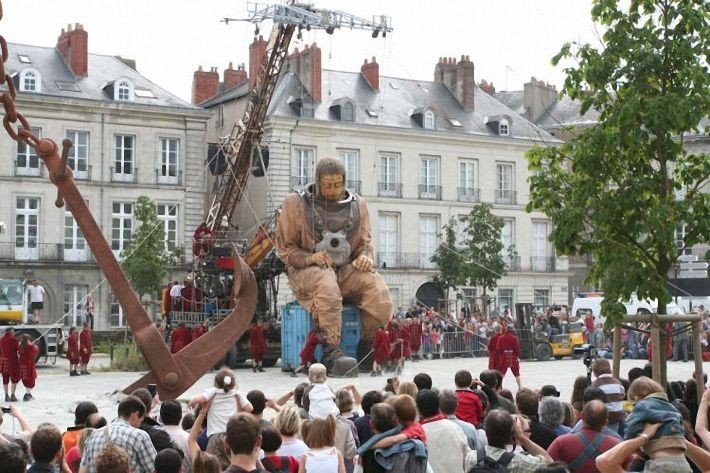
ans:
x=589 y=325
x=198 y=331
x=405 y=335
x=85 y=348
x=28 y=374
x=508 y=348
x=203 y=239
x=396 y=347
x=308 y=353
x=381 y=351
x=257 y=346
x=415 y=337
x=493 y=354
x=180 y=338
x=9 y=364
x=73 y=352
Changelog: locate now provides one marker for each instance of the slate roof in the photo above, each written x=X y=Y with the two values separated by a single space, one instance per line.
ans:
x=398 y=99
x=565 y=111
x=103 y=70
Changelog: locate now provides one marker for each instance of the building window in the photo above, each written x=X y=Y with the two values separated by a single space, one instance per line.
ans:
x=121 y=226
x=508 y=240
x=429 y=179
x=27 y=162
x=74 y=299
x=26 y=228
x=75 y=248
x=220 y=116
x=302 y=167
x=503 y=127
x=389 y=185
x=79 y=153
x=541 y=298
x=504 y=184
x=117 y=319
x=168 y=214
x=351 y=161
x=505 y=300
x=124 y=149
x=30 y=81
x=429 y=120
x=428 y=239
x=388 y=241
x=540 y=247
x=169 y=153
x=124 y=90
x=467 y=191
x=347 y=112
x=468 y=296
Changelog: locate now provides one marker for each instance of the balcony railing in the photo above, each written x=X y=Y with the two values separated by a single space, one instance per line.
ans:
x=503 y=196
x=542 y=264
x=162 y=178
x=30 y=171
x=298 y=183
x=389 y=189
x=57 y=252
x=404 y=261
x=469 y=194
x=430 y=192
x=354 y=186
x=512 y=263
x=124 y=176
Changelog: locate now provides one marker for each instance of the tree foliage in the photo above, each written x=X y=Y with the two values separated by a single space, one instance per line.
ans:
x=623 y=186
x=471 y=251
x=145 y=259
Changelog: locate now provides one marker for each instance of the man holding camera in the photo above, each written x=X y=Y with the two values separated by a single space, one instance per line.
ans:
x=323 y=237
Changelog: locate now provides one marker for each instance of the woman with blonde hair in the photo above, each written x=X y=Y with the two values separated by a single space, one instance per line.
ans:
x=409 y=388
x=288 y=423
x=323 y=457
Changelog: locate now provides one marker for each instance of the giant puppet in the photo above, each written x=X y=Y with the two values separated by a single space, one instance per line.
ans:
x=323 y=237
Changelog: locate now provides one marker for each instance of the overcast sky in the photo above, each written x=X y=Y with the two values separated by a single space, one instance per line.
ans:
x=508 y=40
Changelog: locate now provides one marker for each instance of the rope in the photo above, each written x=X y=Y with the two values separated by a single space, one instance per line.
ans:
x=358 y=363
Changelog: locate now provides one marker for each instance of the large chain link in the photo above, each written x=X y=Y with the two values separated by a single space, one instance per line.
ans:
x=24 y=132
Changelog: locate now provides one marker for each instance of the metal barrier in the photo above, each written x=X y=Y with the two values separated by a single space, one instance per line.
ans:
x=459 y=344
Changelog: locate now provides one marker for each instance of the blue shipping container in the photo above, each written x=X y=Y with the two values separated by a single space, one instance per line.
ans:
x=296 y=322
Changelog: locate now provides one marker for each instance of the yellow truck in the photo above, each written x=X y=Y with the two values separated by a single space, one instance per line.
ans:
x=14 y=311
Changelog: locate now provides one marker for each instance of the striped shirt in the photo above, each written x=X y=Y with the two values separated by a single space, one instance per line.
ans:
x=615 y=394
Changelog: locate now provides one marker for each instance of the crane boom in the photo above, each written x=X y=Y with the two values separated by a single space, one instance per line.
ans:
x=246 y=135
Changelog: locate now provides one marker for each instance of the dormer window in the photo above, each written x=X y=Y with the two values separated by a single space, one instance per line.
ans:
x=30 y=81
x=123 y=90
x=343 y=109
x=429 y=120
x=302 y=106
x=504 y=128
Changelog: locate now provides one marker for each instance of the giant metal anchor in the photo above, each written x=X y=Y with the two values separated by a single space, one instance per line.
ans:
x=172 y=373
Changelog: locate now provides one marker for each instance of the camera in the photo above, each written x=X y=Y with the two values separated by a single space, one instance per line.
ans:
x=588 y=353
x=6 y=409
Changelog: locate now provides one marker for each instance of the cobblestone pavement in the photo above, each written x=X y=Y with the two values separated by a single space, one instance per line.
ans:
x=56 y=393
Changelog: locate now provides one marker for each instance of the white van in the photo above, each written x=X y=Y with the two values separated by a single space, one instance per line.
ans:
x=593 y=303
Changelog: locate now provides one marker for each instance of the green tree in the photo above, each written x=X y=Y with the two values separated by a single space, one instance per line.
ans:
x=476 y=258
x=620 y=189
x=145 y=259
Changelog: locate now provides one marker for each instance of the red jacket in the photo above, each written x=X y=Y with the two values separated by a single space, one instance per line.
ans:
x=180 y=338
x=415 y=334
x=85 y=345
x=493 y=352
x=405 y=335
x=198 y=331
x=470 y=407
x=309 y=349
x=73 y=348
x=257 y=340
x=381 y=345
x=9 y=345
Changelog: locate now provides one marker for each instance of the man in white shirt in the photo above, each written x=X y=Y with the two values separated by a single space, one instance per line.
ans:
x=445 y=441
x=170 y=416
x=37 y=296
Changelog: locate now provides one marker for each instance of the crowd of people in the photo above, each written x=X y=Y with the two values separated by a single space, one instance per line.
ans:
x=471 y=425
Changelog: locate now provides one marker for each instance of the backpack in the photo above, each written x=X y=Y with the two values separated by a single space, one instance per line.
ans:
x=489 y=465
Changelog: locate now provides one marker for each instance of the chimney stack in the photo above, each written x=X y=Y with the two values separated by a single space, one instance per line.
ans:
x=234 y=77
x=459 y=78
x=257 y=51
x=371 y=73
x=537 y=97
x=307 y=66
x=73 y=45
x=205 y=85
x=488 y=88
